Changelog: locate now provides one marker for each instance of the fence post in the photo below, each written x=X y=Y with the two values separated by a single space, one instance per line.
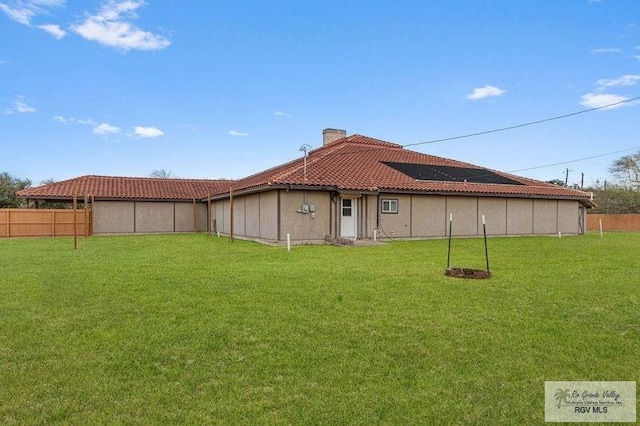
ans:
x=86 y=217
x=209 y=216
x=53 y=223
x=8 y=224
x=75 y=219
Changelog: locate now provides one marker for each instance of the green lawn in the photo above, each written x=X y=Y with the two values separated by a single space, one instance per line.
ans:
x=194 y=329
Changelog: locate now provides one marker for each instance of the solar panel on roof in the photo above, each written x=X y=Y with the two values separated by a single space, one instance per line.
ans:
x=450 y=174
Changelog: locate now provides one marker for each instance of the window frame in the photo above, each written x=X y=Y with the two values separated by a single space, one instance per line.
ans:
x=390 y=202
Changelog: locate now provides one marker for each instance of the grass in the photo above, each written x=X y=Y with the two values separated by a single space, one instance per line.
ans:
x=192 y=329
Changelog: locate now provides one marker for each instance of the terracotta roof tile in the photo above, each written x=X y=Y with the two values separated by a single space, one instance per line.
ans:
x=356 y=163
x=123 y=188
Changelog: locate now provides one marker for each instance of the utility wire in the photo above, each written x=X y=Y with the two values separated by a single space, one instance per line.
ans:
x=531 y=123
x=576 y=160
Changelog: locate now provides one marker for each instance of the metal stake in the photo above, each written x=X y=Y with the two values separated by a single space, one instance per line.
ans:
x=449 y=251
x=486 y=251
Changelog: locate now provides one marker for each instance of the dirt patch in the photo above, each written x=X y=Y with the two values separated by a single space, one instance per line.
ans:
x=479 y=274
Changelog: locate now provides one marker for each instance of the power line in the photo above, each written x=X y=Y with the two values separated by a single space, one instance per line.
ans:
x=576 y=160
x=517 y=126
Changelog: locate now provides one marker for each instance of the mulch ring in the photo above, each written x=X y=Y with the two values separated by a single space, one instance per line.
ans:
x=479 y=274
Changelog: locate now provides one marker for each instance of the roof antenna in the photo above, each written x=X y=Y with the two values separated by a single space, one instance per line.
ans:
x=305 y=148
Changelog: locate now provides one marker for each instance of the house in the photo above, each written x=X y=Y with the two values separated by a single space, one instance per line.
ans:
x=123 y=205
x=352 y=187
x=357 y=186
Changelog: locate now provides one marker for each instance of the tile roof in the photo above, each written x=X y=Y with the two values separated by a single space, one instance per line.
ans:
x=355 y=163
x=125 y=188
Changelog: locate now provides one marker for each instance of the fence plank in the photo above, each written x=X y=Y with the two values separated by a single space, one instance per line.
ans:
x=43 y=222
x=613 y=222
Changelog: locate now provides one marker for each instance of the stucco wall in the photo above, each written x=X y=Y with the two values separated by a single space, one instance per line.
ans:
x=254 y=215
x=113 y=217
x=396 y=224
x=419 y=216
x=154 y=217
x=124 y=217
x=269 y=215
x=371 y=210
x=519 y=216
x=495 y=215
x=429 y=216
x=239 y=219
x=545 y=216
x=568 y=214
x=465 y=215
x=220 y=214
x=306 y=227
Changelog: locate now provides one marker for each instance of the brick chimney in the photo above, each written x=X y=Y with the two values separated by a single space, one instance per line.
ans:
x=329 y=136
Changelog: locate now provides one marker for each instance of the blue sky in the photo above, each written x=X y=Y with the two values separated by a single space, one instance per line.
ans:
x=214 y=89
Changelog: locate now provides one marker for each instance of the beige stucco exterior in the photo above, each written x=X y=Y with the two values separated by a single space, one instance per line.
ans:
x=124 y=217
x=273 y=214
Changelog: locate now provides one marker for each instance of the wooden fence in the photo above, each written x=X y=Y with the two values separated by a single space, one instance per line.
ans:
x=613 y=222
x=44 y=222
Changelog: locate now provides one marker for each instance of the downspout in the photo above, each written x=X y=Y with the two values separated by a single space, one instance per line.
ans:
x=378 y=211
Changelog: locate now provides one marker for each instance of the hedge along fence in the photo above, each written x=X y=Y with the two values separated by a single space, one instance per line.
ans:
x=613 y=222
x=45 y=222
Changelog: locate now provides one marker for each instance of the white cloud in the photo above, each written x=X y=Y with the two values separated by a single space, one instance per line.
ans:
x=61 y=119
x=147 y=132
x=601 y=100
x=282 y=114
x=105 y=129
x=22 y=15
x=22 y=11
x=111 y=27
x=625 y=80
x=485 y=92
x=20 y=106
x=87 y=122
x=605 y=50
x=54 y=30
x=70 y=120
x=236 y=133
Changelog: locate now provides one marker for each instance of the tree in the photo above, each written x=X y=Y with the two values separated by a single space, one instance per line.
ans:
x=558 y=182
x=615 y=199
x=627 y=169
x=8 y=188
x=51 y=205
x=162 y=174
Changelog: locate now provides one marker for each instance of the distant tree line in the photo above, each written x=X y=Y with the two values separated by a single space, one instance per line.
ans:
x=615 y=199
x=9 y=185
x=620 y=197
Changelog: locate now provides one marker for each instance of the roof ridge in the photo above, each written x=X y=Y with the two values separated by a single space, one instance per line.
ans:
x=148 y=178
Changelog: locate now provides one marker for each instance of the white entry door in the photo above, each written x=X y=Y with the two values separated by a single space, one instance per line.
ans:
x=348 y=218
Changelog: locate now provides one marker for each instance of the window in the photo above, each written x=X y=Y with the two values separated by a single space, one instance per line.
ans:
x=346 y=207
x=389 y=206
